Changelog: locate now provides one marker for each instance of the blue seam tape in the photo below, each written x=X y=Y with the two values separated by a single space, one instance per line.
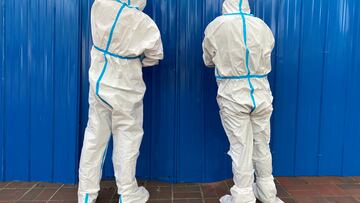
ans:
x=232 y=14
x=113 y=26
x=104 y=155
x=86 y=198
x=99 y=80
x=116 y=55
x=240 y=6
x=245 y=34
x=128 y=4
x=248 y=76
x=252 y=90
x=120 y=199
x=240 y=77
x=107 y=49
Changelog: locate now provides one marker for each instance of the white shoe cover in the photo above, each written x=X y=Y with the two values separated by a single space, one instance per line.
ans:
x=278 y=200
x=229 y=199
x=226 y=199
x=256 y=193
x=140 y=196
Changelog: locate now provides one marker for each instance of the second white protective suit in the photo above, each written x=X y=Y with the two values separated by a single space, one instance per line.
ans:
x=239 y=46
x=125 y=40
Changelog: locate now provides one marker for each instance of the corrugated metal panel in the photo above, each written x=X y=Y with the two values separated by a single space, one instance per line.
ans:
x=40 y=90
x=2 y=89
x=316 y=128
x=351 y=163
x=311 y=88
x=202 y=141
x=336 y=89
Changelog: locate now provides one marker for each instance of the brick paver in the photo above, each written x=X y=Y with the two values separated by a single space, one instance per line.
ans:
x=290 y=189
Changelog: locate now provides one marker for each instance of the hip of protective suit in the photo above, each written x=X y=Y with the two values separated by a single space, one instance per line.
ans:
x=240 y=97
x=118 y=83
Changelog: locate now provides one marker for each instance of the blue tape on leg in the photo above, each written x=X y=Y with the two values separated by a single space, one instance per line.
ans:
x=86 y=198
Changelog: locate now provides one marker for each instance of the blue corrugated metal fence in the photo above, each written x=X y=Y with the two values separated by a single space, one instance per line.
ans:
x=316 y=65
x=40 y=86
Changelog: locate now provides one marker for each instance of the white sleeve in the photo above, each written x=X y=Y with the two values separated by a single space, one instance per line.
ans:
x=270 y=41
x=209 y=51
x=153 y=47
x=153 y=54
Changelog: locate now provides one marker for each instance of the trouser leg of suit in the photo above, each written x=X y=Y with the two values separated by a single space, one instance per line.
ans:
x=262 y=159
x=239 y=131
x=96 y=138
x=128 y=133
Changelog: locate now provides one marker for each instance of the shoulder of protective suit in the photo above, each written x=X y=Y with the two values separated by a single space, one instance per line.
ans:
x=265 y=30
x=261 y=22
x=144 y=17
x=215 y=24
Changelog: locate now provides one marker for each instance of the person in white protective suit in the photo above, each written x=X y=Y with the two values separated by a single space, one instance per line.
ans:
x=239 y=46
x=125 y=40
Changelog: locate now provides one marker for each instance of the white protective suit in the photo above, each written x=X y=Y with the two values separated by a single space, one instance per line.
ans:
x=125 y=39
x=239 y=46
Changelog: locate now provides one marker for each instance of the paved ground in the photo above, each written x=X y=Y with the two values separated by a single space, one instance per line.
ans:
x=290 y=189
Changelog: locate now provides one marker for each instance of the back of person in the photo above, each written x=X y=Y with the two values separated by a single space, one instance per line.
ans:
x=125 y=34
x=125 y=40
x=133 y=32
x=239 y=46
x=225 y=47
x=226 y=33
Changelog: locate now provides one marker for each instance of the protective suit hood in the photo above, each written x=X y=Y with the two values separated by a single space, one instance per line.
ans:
x=140 y=4
x=236 y=6
x=136 y=3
